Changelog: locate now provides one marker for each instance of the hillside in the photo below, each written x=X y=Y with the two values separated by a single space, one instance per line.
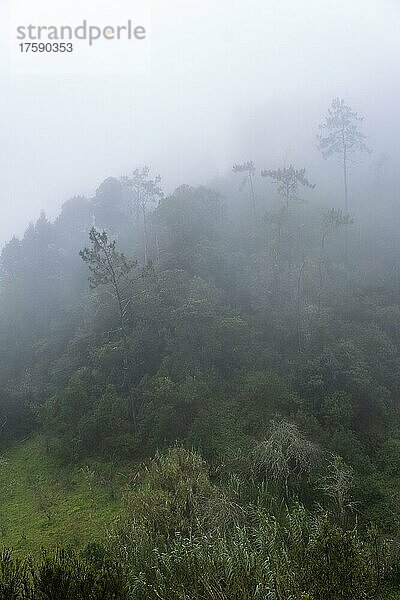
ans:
x=199 y=395
x=45 y=506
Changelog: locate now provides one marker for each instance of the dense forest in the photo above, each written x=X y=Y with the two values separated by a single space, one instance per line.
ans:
x=199 y=391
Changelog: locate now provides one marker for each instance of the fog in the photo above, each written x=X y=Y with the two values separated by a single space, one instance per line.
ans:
x=228 y=81
x=200 y=299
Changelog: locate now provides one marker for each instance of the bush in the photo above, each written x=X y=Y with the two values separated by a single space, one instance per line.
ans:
x=61 y=576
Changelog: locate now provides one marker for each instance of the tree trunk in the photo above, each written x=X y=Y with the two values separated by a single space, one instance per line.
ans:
x=253 y=199
x=145 y=236
x=299 y=340
x=158 y=250
x=346 y=202
x=320 y=265
x=346 y=195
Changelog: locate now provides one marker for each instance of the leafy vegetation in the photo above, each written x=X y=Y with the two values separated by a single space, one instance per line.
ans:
x=243 y=347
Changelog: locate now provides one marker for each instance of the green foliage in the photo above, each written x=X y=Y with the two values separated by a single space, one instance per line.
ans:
x=60 y=576
x=167 y=493
x=107 y=266
x=252 y=340
x=14 y=584
x=80 y=423
x=294 y=555
x=337 y=565
x=287 y=181
x=340 y=130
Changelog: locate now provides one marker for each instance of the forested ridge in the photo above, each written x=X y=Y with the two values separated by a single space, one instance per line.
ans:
x=222 y=366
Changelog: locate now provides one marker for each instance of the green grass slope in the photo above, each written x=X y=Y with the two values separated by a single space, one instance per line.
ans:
x=43 y=504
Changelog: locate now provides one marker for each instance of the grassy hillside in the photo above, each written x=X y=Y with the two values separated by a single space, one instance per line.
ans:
x=43 y=504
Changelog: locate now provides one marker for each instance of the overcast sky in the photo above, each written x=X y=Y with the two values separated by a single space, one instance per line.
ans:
x=229 y=80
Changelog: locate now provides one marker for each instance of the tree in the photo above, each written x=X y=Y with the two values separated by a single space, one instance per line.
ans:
x=340 y=135
x=113 y=269
x=332 y=220
x=337 y=486
x=189 y=223
x=287 y=181
x=286 y=455
x=248 y=169
x=109 y=267
x=144 y=191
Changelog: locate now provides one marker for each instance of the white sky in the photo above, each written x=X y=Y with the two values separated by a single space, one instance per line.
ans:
x=229 y=80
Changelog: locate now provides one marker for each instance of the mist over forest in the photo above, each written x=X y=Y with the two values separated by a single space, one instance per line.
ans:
x=200 y=314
